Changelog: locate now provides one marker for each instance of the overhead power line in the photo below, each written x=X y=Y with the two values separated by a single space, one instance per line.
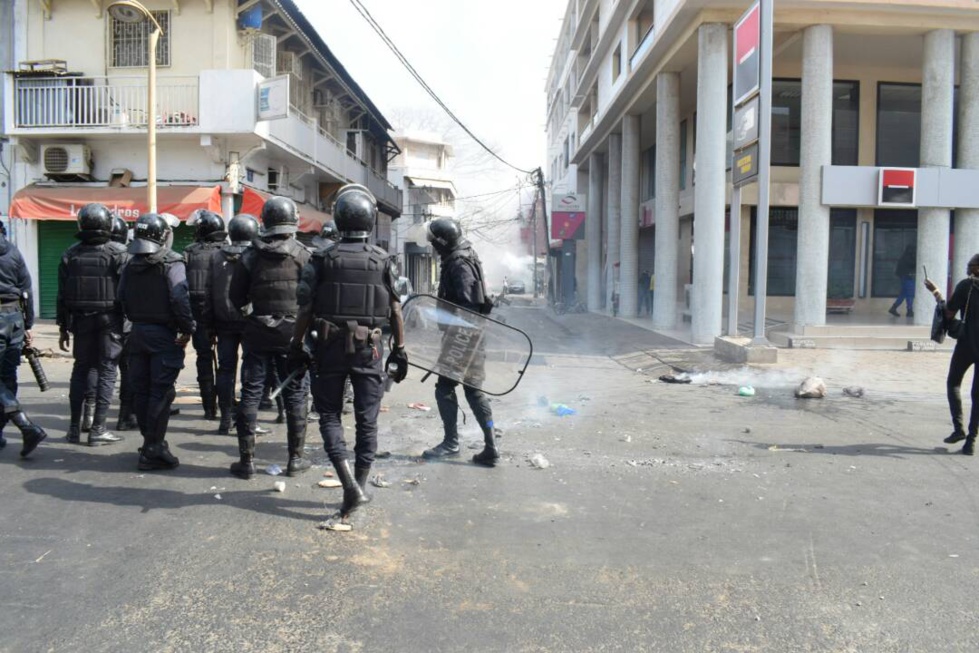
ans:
x=387 y=41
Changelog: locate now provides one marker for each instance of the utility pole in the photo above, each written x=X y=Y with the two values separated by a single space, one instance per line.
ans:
x=539 y=174
x=533 y=226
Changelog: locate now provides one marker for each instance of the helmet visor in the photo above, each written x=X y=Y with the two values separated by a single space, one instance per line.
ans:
x=143 y=246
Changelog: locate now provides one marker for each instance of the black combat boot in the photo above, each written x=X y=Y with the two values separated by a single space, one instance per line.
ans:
x=361 y=474
x=353 y=495
x=99 y=434
x=88 y=411
x=224 y=426
x=280 y=407
x=448 y=447
x=968 y=448
x=74 y=434
x=489 y=456
x=957 y=436
x=156 y=456
x=209 y=400
x=31 y=433
x=296 y=437
x=245 y=467
x=127 y=419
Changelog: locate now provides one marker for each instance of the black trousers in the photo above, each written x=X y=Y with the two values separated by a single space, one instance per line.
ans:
x=962 y=359
x=155 y=360
x=11 y=344
x=365 y=370
x=205 y=358
x=448 y=403
x=96 y=349
x=228 y=344
x=254 y=369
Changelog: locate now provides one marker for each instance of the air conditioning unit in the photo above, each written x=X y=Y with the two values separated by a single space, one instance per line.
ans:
x=289 y=63
x=66 y=160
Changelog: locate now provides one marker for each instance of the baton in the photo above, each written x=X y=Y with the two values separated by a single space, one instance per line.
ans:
x=299 y=371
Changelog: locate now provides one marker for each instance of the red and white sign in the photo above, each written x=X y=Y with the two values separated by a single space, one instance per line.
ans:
x=747 y=54
x=896 y=187
x=568 y=216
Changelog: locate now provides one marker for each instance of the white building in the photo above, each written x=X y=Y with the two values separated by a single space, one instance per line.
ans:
x=423 y=169
x=640 y=89
x=75 y=114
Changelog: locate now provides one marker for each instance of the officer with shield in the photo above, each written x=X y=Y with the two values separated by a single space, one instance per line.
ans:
x=221 y=317
x=209 y=235
x=87 y=307
x=155 y=298
x=346 y=294
x=265 y=280
x=461 y=283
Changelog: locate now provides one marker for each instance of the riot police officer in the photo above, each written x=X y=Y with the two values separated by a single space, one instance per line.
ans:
x=209 y=235
x=16 y=321
x=346 y=294
x=266 y=277
x=220 y=315
x=87 y=308
x=460 y=282
x=155 y=298
x=127 y=416
x=328 y=236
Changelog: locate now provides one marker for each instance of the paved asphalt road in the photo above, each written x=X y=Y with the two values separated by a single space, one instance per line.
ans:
x=670 y=518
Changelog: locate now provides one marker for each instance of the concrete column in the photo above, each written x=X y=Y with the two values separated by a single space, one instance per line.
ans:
x=709 y=201
x=629 y=244
x=938 y=79
x=816 y=147
x=967 y=220
x=667 y=199
x=613 y=202
x=593 y=231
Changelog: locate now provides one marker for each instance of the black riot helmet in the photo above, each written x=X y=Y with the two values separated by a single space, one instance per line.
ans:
x=152 y=234
x=95 y=217
x=355 y=211
x=206 y=223
x=279 y=216
x=120 y=230
x=444 y=234
x=243 y=228
x=330 y=231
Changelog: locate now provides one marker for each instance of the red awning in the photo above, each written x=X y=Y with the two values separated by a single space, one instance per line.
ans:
x=63 y=202
x=310 y=220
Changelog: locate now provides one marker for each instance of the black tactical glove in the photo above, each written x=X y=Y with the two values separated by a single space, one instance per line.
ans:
x=397 y=364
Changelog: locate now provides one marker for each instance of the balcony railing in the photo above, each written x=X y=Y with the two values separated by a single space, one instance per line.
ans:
x=103 y=102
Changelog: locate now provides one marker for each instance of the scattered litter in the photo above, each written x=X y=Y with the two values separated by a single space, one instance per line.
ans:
x=419 y=406
x=412 y=481
x=328 y=474
x=627 y=438
x=953 y=555
x=330 y=482
x=382 y=454
x=811 y=387
x=775 y=447
x=59 y=460
x=746 y=430
x=273 y=470
x=385 y=409
x=542 y=401
x=746 y=391
x=561 y=410
x=279 y=486
x=853 y=391
x=539 y=461
x=675 y=378
x=378 y=481
x=334 y=525
x=217 y=496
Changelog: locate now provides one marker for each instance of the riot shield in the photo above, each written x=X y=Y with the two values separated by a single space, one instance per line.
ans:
x=459 y=344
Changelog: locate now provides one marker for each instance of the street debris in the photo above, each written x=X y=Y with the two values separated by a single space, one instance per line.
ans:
x=279 y=486
x=378 y=481
x=330 y=482
x=334 y=524
x=273 y=470
x=328 y=474
x=539 y=461
x=417 y=405
x=746 y=391
x=775 y=447
x=675 y=378
x=562 y=410
x=217 y=496
x=385 y=409
x=627 y=438
x=853 y=391
x=812 y=387
x=412 y=481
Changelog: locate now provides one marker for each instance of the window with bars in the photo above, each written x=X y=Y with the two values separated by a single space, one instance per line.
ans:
x=130 y=41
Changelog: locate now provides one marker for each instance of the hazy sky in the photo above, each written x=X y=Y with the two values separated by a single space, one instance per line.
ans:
x=486 y=60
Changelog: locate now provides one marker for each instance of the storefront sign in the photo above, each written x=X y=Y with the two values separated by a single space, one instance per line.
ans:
x=747 y=54
x=896 y=187
x=568 y=216
x=745 y=168
x=273 y=98
x=746 y=123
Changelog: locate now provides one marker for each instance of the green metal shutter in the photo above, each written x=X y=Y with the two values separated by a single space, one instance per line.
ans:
x=182 y=236
x=53 y=238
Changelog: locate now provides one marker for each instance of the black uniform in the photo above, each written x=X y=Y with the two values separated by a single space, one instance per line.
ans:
x=225 y=321
x=350 y=287
x=266 y=277
x=88 y=308
x=155 y=298
x=461 y=282
x=198 y=257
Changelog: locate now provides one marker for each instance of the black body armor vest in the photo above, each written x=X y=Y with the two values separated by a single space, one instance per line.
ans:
x=93 y=274
x=147 y=297
x=275 y=276
x=197 y=257
x=222 y=268
x=351 y=285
